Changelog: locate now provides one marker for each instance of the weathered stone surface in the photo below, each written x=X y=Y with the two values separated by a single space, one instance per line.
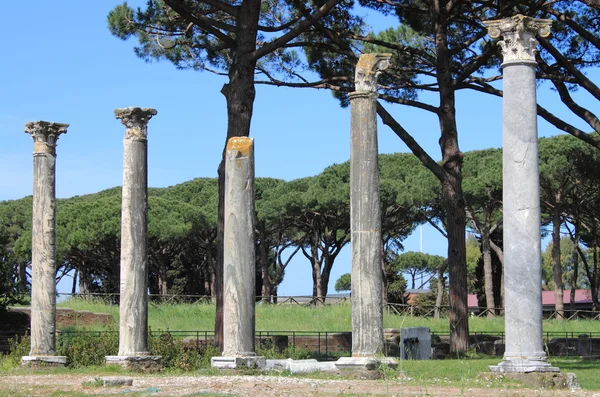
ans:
x=366 y=363
x=238 y=362
x=112 y=381
x=521 y=198
x=519 y=33
x=43 y=246
x=546 y=380
x=365 y=218
x=415 y=343
x=239 y=255
x=142 y=363
x=43 y=361
x=300 y=366
x=133 y=304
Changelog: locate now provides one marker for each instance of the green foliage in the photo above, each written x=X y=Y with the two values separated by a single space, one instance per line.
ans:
x=84 y=349
x=271 y=352
x=175 y=354
x=418 y=264
x=119 y=21
x=344 y=283
x=19 y=348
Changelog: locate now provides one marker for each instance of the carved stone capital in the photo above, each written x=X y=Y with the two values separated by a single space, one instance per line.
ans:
x=368 y=69
x=136 y=121
x=45 y=134
x=519 y=31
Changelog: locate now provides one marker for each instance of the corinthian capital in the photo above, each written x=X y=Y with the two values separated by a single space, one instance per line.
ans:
x=45 y=134
x=136 y=121
x=368 y=69
x=519 y=33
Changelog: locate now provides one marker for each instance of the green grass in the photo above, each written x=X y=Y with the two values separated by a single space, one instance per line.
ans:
x=331 y=318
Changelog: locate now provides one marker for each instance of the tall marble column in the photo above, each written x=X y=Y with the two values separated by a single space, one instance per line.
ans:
x=43 y=246
x=239 y=259
x=521 y=196
x=133 y=302
x=365 y=217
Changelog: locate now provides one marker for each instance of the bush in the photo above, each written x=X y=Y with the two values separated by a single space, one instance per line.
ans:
x=175 y=354
x=19 y=347
x=84 y=349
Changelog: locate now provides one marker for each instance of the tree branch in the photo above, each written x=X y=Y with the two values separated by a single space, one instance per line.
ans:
x=409 y=141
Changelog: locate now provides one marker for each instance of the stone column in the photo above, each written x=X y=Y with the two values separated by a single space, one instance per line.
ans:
x=521 y=197
x=133 y=301
x=43 y=245
x=365 y=217
x=238 y=262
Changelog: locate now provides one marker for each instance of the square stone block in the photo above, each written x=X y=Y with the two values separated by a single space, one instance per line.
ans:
x=238 y=362
x=43 y=361
x=415 y=343
x=136 y=363
x=365 y=363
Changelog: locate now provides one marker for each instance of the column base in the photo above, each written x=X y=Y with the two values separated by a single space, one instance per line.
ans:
x=136 y=363
x=43 y=361
x=546 y=380
x=238 y=362
x=523 y=365
x=365 y=363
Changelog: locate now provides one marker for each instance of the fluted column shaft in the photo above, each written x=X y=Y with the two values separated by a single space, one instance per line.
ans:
x=521 y=196
x=365 y=212
x=239 y=256
x=43 y=247
x=133 y=304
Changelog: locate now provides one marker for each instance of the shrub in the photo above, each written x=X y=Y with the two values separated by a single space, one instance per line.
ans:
x=84 y=349
x=19 y=347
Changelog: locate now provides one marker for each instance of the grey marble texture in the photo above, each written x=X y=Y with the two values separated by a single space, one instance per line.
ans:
x=133 y=304
x=43 y=245
x=239 y=255
x=521 y=202
x=365 y=212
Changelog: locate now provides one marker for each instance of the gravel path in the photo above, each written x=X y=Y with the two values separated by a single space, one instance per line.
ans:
x=255 y=386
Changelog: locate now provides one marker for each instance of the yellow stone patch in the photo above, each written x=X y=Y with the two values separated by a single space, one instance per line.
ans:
x=242 y=144
x=42 y=147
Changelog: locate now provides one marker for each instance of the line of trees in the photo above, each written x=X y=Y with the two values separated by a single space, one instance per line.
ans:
x=438 y=46
x=310 y=216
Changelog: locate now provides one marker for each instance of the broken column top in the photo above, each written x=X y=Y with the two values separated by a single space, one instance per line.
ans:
x=241 y=144
x=519 y=33
x=368 y=69
x=45 y=134
x=135 y=120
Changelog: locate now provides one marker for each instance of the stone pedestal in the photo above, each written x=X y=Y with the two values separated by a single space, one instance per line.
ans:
x=133 y=303
x=365 y=363
x=415 y=343
x=239 y=258
x=238 y=362
x=521 y=199
x=43 y=361
x=365 y=212
x=43 y=245
x=142 y=363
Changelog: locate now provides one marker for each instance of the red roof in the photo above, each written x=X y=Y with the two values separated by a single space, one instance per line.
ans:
x=582 y=296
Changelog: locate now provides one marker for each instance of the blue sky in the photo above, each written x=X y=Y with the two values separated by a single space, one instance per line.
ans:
x=60 y=63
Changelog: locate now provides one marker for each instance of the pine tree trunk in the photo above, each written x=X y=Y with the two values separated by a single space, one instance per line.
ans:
x=500 y=255
x=557 y=265
x=239 y=94
x=452 y=194
x=22 y=285
x=575 y=268
x=487 y=270
x=439 y=299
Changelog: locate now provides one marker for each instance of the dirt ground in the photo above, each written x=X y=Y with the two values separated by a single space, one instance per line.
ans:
x=253 y=386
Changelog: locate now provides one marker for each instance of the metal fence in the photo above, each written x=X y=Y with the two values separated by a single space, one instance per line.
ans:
x=400 y=309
